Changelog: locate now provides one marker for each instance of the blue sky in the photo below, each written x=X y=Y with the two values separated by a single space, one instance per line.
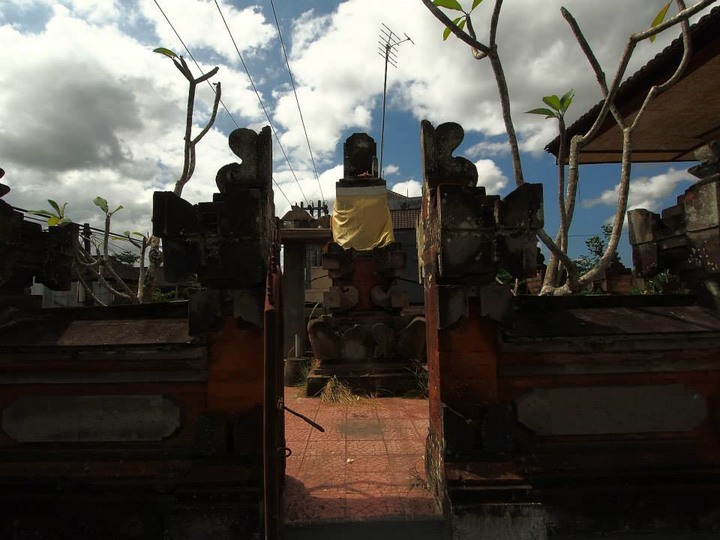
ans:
x=87 y=109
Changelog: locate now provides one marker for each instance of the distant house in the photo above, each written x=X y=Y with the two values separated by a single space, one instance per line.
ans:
x=405 y=212
x=78 y=297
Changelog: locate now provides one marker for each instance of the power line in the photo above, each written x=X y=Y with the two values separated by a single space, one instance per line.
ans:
x=281 y=191
x=297 y=100
x=37 y=219
x=208 y=82
x=262 y=106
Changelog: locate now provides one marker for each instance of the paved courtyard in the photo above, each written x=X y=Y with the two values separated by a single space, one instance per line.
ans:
x=368 y=464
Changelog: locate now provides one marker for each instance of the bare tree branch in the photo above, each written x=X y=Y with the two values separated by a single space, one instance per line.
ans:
x=494 y=20
x=498 y=71
x=106 y=284
x=590 y=55
x=683 y=14
x=477 y=53
x=218 y=93
x=567 y=189
x=96 y=267
x=625 y=59
x=504 y=93
x=88 y=290
x=203 y=78
x=562 y=256
x=189 y=145
x=619 y=219
x=682 y=66
x=141 y=273
x=627 y=146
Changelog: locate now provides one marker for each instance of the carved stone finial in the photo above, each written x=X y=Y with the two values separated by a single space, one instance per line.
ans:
x=360 y=156
x=709 y=158
x=255 y=169
x=439 y=165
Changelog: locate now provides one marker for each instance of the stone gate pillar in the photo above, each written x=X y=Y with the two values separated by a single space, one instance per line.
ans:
x=466 y=236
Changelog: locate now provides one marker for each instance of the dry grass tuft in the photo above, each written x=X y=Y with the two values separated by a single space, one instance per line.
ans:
x=417 y=480
x=306 y=371
x=336 y=391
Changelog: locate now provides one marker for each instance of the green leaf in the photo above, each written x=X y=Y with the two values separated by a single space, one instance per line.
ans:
x=659 y=18
x=118 y=208
x=476 y=3
x=447 y=31
x=449 y=4
x=552 y=101
x=566 y=100
x=546 y=112
x=166 y=52
x=101 y=203
x=462 y=23
x=55 y=205
x=65 y=221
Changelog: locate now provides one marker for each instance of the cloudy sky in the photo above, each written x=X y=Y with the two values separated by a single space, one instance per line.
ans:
x=87 y=109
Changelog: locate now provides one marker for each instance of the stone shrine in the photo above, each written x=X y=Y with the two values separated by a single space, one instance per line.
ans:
x=364 y=339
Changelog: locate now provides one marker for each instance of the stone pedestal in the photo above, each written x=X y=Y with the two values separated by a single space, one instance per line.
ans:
x=364 y=339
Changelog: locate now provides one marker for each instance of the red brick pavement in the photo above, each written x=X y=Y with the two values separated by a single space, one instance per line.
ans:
x=369 y=463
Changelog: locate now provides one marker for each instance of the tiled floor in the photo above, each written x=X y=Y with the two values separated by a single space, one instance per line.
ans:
x=368 y=464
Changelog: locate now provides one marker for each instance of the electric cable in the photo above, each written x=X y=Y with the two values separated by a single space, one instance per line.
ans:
x=262 y=105
x=297 y=100
x=210 y=84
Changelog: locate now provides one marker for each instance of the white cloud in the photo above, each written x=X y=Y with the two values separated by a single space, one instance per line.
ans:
x=89 y=110
x=200 y=26
x=409 y=188
x=306 y=188
x=339 y=74
x=645 y=192
x=490 y=176
x=389 y=170
x=95 y=11
x=487 y=149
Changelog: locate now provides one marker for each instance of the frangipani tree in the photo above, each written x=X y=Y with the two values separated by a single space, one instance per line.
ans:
x=462 y=27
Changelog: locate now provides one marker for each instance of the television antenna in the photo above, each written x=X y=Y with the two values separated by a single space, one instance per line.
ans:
x=389 y=41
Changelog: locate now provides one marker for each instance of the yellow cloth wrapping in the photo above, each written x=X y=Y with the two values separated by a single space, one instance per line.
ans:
x=361 y=218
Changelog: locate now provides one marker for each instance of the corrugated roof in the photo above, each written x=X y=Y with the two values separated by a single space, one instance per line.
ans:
x=394 y=195
x=405 y=218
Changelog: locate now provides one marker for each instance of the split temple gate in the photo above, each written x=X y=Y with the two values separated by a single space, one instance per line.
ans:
x=546 y=414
